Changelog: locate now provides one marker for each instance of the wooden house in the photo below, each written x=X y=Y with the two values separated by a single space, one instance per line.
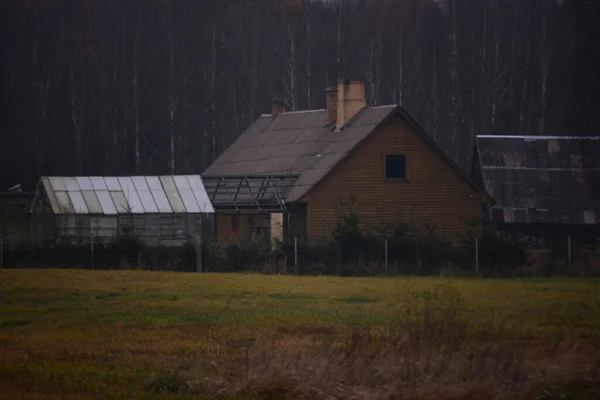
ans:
x=295 y=172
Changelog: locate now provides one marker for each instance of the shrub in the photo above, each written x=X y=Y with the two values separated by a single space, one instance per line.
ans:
x=402 y=241
x=500 y=251
x=434 y=251
x=247 y=257
x=355 y=246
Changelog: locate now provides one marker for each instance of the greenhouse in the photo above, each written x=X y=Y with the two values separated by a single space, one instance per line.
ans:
x=160 y=210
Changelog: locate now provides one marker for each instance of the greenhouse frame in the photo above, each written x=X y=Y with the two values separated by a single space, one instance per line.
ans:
x=160 y=210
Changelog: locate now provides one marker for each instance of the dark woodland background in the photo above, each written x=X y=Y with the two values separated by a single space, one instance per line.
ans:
x=99 y=87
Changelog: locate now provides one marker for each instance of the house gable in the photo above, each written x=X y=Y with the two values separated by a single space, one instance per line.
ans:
x=434 y=190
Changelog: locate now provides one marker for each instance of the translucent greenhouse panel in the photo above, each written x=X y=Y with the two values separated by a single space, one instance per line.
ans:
x=71 y=184
x=120 y=202
x=153 y=226
x=131 y=195
x=186 y=194
x=92 y=202
x=104 y=226
x=64 y=203
x=106 y=202
x=172 y=227
x=78 y=202
x=57 y=183
x=98 y=183
x=145 y=195
x=67 y=225
x=50 y=195
x=83 y=224
x=84 y=183
x=139 y=223
x=173 y=194
x=113 y=184
x=200 y=193
x=159 y=195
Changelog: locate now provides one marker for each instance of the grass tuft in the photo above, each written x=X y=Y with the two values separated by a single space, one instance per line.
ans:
x=358 y=300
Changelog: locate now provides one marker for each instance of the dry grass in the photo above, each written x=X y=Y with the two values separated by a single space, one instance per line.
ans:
x=89 y=334
x=390 y=368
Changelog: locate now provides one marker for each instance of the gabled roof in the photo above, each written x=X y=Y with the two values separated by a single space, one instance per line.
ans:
x=299 y=143
x=542 y=179
x=113 y=195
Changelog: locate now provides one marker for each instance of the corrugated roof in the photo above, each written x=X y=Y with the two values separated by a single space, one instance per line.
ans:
x=542 y=179
x=299 y=143
x=113 y=195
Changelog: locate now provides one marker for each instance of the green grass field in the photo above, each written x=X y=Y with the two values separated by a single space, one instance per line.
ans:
x=71 y=334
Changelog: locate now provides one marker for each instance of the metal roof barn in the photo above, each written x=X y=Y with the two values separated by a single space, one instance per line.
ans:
x=541 y=179
x=161 y=210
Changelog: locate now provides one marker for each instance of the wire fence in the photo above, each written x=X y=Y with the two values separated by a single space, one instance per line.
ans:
x=566 y=257
x=480 y=257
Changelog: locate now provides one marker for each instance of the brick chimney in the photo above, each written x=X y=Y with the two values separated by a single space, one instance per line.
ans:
x=332 y=100
x=351 y=98
x=277 y=107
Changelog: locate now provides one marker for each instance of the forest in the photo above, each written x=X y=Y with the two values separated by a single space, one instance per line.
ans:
x=123 y=87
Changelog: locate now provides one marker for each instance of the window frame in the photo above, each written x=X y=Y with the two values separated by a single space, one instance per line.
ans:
x=170 y=225
x=385 y=161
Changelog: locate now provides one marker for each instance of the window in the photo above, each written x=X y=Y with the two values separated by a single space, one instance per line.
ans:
x=172 y=227
x=395 y=166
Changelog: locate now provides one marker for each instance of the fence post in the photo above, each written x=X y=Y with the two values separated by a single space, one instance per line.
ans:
x=386 y=255
x=92 y=249
x=569 y=251
x=295 y=255
x=199 y=246
x=477 y=255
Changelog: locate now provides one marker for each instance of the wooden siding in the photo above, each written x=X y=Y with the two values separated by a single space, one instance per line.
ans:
x=294 y=225
x=297 y=222
x=433 y=192
x=248 y=226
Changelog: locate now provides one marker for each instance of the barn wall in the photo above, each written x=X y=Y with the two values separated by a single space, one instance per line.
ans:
x=14 y=218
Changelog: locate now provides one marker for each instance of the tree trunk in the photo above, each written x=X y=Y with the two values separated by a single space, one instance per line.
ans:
x=171 y=93
x=136 y=93
x=309 y=77
x=544 y=66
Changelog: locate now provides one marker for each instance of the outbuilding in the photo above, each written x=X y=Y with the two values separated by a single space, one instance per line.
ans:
x=159 y=210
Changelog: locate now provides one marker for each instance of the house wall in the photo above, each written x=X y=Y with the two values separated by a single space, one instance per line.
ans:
x=297 y=222
x=259 y=225
x=248 y=226
x=434 y=192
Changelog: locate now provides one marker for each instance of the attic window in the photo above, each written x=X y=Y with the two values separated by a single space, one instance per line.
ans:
x=395 y=166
